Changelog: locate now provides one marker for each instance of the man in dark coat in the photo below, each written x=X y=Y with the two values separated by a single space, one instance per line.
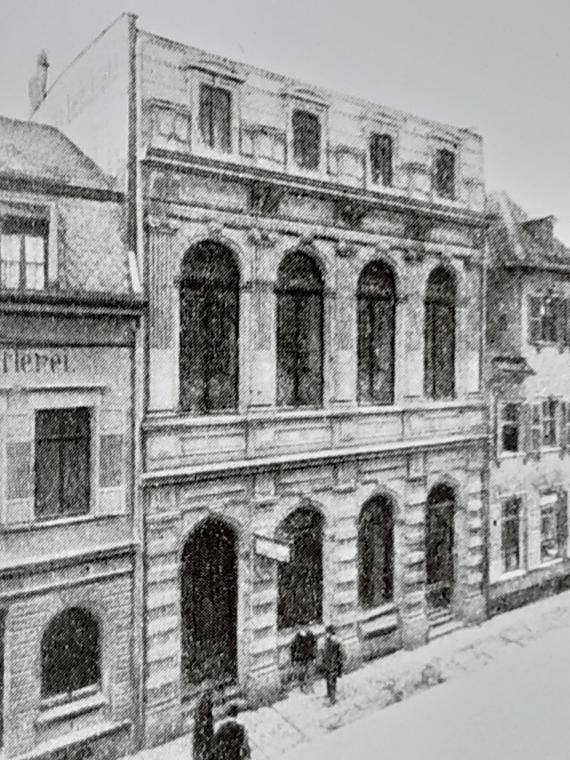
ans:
x=230 y=740
x=303 y=655
x=332 y=661
x=203 y=734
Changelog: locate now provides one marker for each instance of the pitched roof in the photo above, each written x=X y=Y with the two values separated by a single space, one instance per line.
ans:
x=40 y=152
x=512 y=242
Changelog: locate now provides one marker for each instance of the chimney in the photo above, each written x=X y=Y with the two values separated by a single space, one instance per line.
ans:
x=542 y=231
x=37 y=86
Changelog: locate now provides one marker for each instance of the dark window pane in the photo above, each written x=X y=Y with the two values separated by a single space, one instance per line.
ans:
x=306 y=139
x=445 y=173
x=381 y=159
x=70 y=653
x=299 y=332
x=511 y=535
x=62 y=462
x=439 y=336
x=300 y=581
x=215 y=117
x=375 y=553
x=209 y=314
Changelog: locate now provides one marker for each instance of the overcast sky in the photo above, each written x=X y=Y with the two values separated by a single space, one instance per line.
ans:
x=500 y=66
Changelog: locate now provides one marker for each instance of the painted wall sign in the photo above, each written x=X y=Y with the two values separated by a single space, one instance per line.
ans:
x=30 y=362
x=276 y=550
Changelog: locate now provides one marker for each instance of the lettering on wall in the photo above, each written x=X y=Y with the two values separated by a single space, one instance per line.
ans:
x=32 y=362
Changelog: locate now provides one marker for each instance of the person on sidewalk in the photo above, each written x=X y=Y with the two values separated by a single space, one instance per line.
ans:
x=203 y=734
x=230 y=740
x=332 y=662
x=303 y=656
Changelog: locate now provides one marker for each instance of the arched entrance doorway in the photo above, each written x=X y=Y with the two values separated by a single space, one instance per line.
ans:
x=440 y=514
x=209 y=604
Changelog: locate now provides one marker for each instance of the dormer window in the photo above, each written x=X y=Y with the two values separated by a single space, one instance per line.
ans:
x=444 y=174
x=23 y=254
x=306 y=139
x=381 y=159
x=215 y=117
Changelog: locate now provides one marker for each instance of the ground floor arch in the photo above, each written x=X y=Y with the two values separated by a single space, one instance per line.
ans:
x=440 y=538
x=209 y=594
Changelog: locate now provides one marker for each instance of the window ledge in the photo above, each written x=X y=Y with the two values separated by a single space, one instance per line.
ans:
x=384 y=609
x=71 y=709
x=512 y=574
x=550 y=562
x=57 y=522
x=512 y=454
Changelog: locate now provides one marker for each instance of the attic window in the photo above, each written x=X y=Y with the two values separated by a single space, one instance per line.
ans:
x=23 y=253
x=306 y=139
x=444 y=177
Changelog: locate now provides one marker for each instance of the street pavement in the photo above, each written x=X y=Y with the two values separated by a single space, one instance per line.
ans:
x=498 y=688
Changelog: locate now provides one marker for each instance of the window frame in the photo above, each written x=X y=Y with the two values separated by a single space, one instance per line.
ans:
x=373 y=513
x=548 y=320
x=439 y=189
x=432 y=334
x=300 y=154
x=557 y=516
x=215 y=74
x=57 y=441
x=23 y=227
x=506 y=520
x=379 y=179
x=300 y=99
x=517 y=424
x=550 y=410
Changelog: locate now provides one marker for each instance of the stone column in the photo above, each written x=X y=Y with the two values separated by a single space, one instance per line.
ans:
x=344 y=390
x=163 y=342
x=163 y=667
x=413 y=605
x=412 y=306
x=262 y=366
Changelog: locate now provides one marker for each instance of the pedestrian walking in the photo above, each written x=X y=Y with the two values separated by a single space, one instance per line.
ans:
x=332 y=662
x=203 y=734
x=303 y=656
x=230 y=739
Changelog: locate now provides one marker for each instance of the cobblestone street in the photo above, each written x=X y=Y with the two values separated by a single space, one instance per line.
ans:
x=302 y=718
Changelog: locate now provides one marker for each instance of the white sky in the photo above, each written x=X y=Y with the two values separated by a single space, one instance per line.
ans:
x=500 y=66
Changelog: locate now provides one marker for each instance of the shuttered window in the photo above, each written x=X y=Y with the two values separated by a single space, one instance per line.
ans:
x=553 y=525
x=299 y=332
x=306 y=139
x=215 y=117
x=376 y=335
x=70 y=656
x=439 y=336
x=381 y=168
x=209 y=314
x=62 y=462
x=300 y=581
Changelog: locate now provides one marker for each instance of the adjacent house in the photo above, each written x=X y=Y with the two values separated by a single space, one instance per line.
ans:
x=68 y=321
x=528 y=344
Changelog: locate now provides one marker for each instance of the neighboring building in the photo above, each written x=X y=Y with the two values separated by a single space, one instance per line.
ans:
x=314 y=432
x=67 y=551
x=528 y=340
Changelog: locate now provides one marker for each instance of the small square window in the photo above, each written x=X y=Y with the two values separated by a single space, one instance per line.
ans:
x=23 y=254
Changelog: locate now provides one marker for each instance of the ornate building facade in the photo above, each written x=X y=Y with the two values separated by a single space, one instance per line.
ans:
x=314 y=433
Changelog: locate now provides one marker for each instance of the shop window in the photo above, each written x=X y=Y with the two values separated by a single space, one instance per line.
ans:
x=300 y=581
x=70 y=656
x=23 y=254
x=62 y=462
x=547 y=320
x=549 y=422
x=445 y=173
x=299 y=332
x=511 y=427
x=306 y=139
x=553 y=525
x=439 y=336
x=376 y=553
x=381 y=167
x=209 y=316
x=215 y=117
x=511 y=534
x=376 y=334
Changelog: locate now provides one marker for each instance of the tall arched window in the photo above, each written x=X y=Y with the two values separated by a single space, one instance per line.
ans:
x=376 y=322
x=70 y=656
x=299 y=332
x=300 y=581
x=376 y=552
x=439 y=350
x=209 y=314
